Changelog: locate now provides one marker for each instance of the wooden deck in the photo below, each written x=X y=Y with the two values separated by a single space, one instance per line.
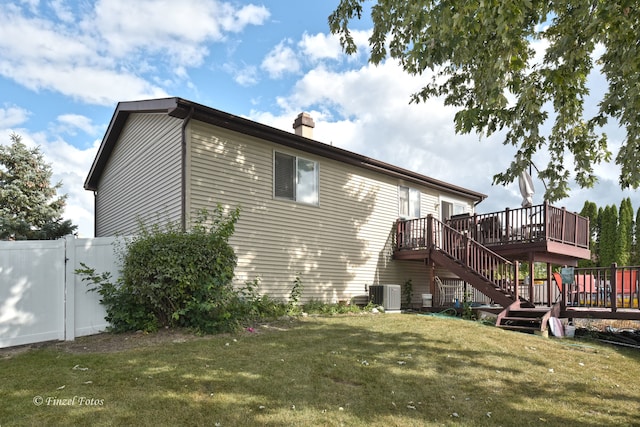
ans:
x=541 y=233
x=551 y=234
x=484 y=251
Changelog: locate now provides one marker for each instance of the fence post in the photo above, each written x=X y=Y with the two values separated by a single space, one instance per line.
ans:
x=69 y=254
x=614 y=287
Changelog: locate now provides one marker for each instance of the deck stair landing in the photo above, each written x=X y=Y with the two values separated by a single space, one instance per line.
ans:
x=526 y=319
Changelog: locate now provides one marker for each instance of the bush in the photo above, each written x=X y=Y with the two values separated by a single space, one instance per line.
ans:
x=314 y=306
x=174 y=278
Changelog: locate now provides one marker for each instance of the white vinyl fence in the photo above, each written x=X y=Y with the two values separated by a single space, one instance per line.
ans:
x=41 y=298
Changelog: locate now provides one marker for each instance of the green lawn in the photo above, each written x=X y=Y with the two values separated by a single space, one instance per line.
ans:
x=356 y=370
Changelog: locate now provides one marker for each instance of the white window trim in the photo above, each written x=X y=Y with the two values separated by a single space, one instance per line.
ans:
x=295 y=181
x=409 y=210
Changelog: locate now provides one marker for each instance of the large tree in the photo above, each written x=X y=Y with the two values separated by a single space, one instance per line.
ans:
x=481 y=56
x=29 y=206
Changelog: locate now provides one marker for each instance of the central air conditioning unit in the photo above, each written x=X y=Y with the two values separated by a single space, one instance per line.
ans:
x=388 y=296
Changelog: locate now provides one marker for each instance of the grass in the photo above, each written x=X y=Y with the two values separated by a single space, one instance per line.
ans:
x=353 y=370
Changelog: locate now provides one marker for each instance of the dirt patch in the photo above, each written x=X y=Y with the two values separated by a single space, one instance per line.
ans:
x=108 y=342
x=112 y=343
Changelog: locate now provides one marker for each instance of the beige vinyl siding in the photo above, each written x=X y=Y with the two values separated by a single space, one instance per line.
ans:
x=338 y=247
x=142 y=179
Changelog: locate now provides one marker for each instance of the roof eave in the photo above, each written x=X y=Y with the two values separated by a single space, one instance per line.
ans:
x=119 y=118
x=180 y=108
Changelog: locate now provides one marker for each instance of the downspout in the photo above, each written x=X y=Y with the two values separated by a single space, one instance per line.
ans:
x=185 y=123
x=95 y=213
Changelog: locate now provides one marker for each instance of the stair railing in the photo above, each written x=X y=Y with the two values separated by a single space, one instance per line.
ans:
x=485 y=262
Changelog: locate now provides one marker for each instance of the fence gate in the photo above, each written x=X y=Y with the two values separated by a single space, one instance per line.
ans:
x=41 y=298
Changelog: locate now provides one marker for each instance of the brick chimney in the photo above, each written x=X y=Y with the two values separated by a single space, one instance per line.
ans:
x=304 y=125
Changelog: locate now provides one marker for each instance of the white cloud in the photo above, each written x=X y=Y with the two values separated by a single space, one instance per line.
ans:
x=88 y=84
x=62 y=10
x=321 y=46
x=32 y=4
x=250 y=15
x=281 y=60
x=179 y=30
x=48 y=58
x=42 y=42
x=72 y=122
x=12 y=116
x=105 y=56
x=247 y=75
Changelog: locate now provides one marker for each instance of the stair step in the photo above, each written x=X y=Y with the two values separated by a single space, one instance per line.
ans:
x=528 y=313
x=532 y=309
x=522 y=319
x=519 y=328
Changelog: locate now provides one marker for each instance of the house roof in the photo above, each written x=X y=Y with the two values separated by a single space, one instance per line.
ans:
x=182 y=109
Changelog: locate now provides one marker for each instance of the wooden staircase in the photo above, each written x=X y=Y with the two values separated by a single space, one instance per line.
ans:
x=527 y=319
x=519 y=315
x=502 y=295
x=490 y=274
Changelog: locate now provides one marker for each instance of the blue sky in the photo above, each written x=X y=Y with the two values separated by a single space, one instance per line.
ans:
x=64 y=65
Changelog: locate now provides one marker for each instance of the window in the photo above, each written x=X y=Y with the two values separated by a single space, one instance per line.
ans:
x=295 y=178
x=409 y=202
x=450 y=208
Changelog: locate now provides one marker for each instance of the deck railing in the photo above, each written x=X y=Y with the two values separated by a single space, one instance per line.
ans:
x=603 y=287
x=525 y=225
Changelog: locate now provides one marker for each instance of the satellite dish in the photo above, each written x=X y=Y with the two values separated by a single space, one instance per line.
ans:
x=526 y=189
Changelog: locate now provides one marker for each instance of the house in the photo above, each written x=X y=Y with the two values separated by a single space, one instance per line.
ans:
x=307 y=207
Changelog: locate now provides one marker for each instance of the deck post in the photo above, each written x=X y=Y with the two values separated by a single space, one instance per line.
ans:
x=507 y=228
x=588 y=237
x=532 y=268
x=430 y=237
x=545 y=219
x=474 y=228
x=516 y=266
x=564 y=219
x=563 y=296
x=549 y=271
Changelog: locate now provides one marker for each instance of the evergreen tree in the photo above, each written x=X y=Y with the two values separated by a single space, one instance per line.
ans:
x=625 y=233
x=599 y=228
x=635 y=253
x=29 y=206
x=608 y=236
x=590 y=210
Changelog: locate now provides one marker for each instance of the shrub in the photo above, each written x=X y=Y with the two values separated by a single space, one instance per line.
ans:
x=294 y=296
x=314 y=306
x=174 y=278
x=407 y=293
x=253 y=307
